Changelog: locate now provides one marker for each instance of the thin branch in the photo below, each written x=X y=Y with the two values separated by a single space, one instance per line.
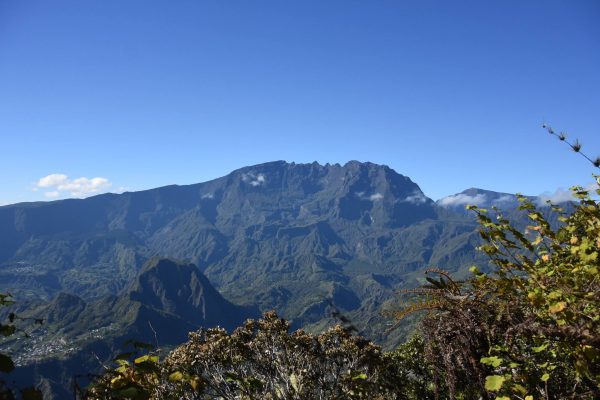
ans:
x=575 y=146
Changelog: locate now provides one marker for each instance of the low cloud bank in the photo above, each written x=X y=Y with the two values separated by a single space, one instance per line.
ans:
x=462 y=199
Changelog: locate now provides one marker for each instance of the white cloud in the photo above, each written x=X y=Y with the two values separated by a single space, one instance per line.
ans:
x=376 y=196
x=416 y=197
x=60 y=185
x=372 y=197
x=52 y=180
x=562 y=195
x=253 y=179
x=507 y=198
x=462 y=199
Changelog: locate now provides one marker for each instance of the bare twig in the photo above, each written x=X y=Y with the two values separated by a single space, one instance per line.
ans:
x=575 y=146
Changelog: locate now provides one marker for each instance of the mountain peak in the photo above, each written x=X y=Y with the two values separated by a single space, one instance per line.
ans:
x=179 y=288
x=163 y=265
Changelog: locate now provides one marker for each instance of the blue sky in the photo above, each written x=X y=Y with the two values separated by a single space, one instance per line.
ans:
x=141 y=94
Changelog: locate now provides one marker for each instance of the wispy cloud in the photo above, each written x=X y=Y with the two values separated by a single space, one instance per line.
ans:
x=57 y=185
x=376 y=196
x=562 y=195
x=372 y=197
x=462 y=199
x=507 y=198
x=254 y=179
x=417 y=197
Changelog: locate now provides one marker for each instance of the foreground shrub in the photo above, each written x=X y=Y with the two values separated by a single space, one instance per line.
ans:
x=260 y=360
x=530 y=329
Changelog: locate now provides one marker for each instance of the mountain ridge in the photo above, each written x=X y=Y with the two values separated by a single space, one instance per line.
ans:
x=250 y=232
x=295 y=238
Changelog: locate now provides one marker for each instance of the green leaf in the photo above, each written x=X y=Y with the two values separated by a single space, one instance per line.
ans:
x=473 y=269
x=122 y=362
x=539 y=348
x=557 y=307
x=6 y=363
x=141 y=359
x=519 y=388
x=176 y=376
x=555 y=294
x=361 y=375
x=545 y=377
x=146 y=358
x=493 y=383
x=493 y=361
x=294 y=381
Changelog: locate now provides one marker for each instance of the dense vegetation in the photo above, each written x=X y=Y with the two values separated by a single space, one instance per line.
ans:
x=260 y=360
x=530 y=329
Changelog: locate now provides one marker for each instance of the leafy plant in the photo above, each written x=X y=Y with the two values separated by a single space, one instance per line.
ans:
x=260 y=360
x=531 y=327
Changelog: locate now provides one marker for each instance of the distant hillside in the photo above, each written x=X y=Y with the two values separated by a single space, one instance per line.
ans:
x=166 y=300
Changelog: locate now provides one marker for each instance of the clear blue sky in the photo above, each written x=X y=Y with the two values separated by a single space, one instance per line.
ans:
x=150 y=93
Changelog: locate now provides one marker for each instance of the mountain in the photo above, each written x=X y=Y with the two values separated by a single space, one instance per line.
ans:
x=166 y=300
x=278 y=235
x=290 y=237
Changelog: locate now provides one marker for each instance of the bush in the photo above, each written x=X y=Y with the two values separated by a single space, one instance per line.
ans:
x=531 y=328
x=260 y=360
